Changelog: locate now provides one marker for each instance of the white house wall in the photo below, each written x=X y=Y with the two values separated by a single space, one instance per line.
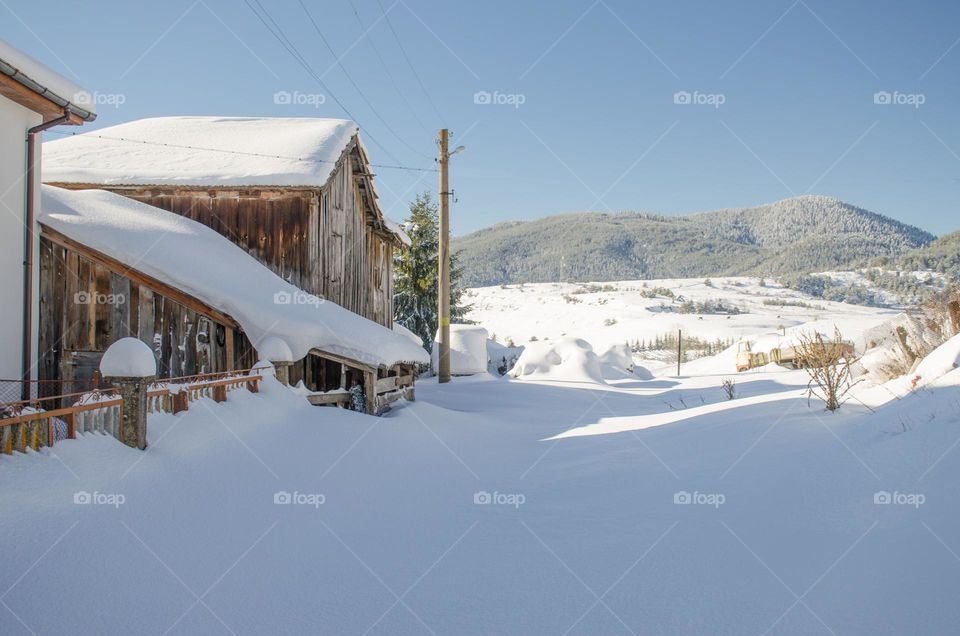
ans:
x=15 y=120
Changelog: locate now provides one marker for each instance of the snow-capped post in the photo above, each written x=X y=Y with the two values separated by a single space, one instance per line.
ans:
x=129 y=364
x=278 y=352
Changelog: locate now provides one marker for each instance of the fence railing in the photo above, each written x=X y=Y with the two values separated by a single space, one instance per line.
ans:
x=175 y=394
x=44 y=421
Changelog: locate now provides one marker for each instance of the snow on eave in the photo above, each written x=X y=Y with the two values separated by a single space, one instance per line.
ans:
x=203 y=151
x=164 y=246
x=46 y=82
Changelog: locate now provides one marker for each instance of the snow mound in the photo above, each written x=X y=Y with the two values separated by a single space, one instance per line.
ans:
x=265 y=368
x=943 y=360
x=468 y=350
x=565 y=360
x=128 y=358
x=206 y=151
x=274 y=349
x=165 y=246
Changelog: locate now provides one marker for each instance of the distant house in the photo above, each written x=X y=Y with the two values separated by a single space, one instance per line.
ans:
x=32 y=99
x=297 y=194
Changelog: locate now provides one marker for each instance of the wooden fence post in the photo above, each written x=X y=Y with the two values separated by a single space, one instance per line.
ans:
x=133 y=392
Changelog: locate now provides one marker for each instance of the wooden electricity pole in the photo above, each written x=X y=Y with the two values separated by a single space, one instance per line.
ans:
x=443 y=313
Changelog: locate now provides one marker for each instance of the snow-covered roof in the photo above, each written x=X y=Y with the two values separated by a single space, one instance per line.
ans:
x=46 y=82
x=167 y=246
x=202 y=151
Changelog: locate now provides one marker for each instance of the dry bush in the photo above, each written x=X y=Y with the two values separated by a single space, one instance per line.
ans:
x=828 y=361
x=729 y=386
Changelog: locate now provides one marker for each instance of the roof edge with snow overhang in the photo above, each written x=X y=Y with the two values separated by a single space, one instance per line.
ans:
x=52 y=94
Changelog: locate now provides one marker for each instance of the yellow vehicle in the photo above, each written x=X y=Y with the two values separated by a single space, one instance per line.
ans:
x=791 y=356
x=747 y=359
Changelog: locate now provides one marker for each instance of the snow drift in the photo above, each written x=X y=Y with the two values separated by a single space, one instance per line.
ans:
x=565 y=360
x=468 y=350
x=166 y=246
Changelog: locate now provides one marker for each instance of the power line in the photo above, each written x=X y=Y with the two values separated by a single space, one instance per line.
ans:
x=407 y=58
x=90 y=135
x=383 y=63
x=354 y=83
x=292 y=50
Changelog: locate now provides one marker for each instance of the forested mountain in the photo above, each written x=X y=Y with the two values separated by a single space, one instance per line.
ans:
x=801 y=234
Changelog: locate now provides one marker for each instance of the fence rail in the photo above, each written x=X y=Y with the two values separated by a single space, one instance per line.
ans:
x=42 y=421
x=175 y=394
x=28 y=424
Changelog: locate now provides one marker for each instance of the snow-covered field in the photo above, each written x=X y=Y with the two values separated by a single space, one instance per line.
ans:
x=618 y=312
x=511 y=506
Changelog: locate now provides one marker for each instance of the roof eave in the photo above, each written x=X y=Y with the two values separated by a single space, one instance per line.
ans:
x=44 y=102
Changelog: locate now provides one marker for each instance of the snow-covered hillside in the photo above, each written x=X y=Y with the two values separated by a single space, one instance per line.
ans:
x=615 y=313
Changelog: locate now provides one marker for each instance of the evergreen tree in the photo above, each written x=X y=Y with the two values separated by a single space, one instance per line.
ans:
x=416 y=283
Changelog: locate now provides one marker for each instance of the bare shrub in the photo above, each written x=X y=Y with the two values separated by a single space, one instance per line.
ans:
x=828 y=361
x=729 y=388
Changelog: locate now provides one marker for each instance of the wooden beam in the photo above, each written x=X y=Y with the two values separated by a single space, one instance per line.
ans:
x=139 y=277
x=17 y=92
x=366 y=368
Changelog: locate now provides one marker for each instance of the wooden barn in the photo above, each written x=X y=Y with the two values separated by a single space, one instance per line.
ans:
x=297 y=195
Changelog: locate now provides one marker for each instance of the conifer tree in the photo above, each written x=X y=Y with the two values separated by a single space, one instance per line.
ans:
x=416 y=281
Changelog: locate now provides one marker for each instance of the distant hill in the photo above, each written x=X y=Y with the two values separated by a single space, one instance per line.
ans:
x=942 y=255
x=801 y=234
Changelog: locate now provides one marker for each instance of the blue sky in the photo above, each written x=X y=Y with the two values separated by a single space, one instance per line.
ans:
x=781 y=92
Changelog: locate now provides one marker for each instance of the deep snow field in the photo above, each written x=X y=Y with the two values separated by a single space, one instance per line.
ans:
x=621 y=313
x=505 y=506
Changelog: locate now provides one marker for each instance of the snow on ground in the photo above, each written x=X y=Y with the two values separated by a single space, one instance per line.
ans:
x=501 y=507
x=618 y=312
x=615 y=504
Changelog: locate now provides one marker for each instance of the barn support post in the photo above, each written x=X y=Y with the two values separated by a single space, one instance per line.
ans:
x=133 y=392
x=370 y=385
x=283 y=371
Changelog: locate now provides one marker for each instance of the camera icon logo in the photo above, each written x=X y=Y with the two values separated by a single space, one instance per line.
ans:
x=882 y=97
x=682 y=97
x=482 y=97
x=282 y=498
x=81 y=298
x=882 y=498
x=82 y=498
x=282 y=298
x=283 y=98
x=482 y=498
x=682 y=498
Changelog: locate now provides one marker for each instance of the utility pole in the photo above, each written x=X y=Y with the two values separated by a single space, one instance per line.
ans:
x=443 y=313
